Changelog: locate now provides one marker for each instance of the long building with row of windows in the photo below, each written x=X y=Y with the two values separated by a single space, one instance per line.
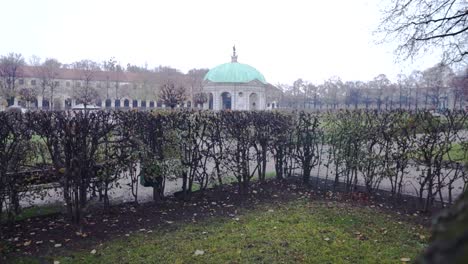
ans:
x=232 y=85
x=59 y=88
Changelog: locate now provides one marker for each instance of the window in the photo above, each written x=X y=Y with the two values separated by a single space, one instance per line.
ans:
x=21 y=81
x=67 y=84
x=135 y=86
x=78 y=84
x=56 y=83
x=98 y=84
x=33 y=82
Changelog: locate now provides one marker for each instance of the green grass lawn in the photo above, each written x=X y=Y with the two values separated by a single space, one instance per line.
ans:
x=457 y=153
x=295 y=232
x=36 y=211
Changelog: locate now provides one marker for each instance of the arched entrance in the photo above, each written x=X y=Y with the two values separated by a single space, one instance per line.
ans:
x=253 y=101
x=45 y=104
x=226 y=101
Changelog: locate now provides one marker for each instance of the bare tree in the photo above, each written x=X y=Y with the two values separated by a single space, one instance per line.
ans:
x=415 y=80
x=172 y=95
x=380 y=83
x=436 y=81
x=10 y=71
x=48 y=72
x=310 y=95
x=199 y=98
x=28 y=95
x=195 y=83
x=114 y=73
x=333 y=88
x=460 y=86
x=353 y=93
x=402 y=83
x=294 y=94
x=423 y=24
x=86 y=93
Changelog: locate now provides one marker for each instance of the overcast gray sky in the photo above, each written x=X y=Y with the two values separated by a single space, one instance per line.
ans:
x=285 y=40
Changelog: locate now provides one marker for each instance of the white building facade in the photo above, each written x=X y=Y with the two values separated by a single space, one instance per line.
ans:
x=235 y=86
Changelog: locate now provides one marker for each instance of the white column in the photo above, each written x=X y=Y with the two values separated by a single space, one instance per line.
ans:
x=261 y=102
x=216 y=101
x=39 y=102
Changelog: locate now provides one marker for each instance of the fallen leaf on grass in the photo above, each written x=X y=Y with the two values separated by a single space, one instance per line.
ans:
x=405 y=259
x=198 y=252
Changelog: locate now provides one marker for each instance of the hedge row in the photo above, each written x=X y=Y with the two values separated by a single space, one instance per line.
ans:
x=88 y=152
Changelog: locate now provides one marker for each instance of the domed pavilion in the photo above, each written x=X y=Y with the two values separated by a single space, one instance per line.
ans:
x=235 y=86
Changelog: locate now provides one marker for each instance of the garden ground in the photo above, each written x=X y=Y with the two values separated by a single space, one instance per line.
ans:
x=276 y=223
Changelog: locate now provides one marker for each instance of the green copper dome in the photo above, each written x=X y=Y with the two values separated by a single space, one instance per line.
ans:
x=234 y=72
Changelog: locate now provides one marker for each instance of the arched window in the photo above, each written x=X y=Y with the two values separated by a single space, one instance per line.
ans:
x=45 y=104
x=253 y=101
x=210 y=101
x=126 y=103
x=226 y=100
